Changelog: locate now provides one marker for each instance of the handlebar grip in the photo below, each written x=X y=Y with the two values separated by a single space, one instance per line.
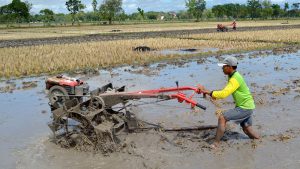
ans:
x=200 y=106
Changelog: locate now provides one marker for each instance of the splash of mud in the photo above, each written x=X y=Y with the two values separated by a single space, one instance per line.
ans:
x=28 y=85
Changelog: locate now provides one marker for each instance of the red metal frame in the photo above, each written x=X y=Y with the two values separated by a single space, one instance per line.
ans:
x=181 y=97
x=172 y=89
x=117 y=97
x=114 y=98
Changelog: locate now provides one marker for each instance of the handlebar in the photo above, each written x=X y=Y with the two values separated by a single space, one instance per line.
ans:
x=181 y=97
x=200 y=106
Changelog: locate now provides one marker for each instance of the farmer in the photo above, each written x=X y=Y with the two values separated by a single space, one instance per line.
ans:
x=233 y=25
x=244 y=103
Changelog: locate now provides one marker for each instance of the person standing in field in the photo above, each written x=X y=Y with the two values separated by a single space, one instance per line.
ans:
x=244 y=103
x=233 y=25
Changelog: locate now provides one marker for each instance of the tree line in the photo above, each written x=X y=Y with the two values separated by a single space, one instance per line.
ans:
x=264 y=9
x=111 y=10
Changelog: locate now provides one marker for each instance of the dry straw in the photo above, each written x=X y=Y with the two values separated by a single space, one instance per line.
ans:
x=23 y=61
x=272 y=36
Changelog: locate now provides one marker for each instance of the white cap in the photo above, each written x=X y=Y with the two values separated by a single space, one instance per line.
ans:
x=230 y=61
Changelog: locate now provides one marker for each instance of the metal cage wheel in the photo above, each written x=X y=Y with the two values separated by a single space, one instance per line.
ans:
x=57 y=96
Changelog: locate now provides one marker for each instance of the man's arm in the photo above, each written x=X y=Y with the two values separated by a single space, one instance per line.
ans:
x=231 y=86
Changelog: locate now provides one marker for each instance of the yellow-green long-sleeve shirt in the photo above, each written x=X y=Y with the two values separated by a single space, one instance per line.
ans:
x=239 y=90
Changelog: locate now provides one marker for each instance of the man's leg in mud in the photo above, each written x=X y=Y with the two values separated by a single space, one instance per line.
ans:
x=248 y=130
x=220 y=130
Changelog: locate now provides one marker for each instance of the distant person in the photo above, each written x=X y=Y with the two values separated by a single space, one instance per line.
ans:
x=244 y=103
x=233 y=25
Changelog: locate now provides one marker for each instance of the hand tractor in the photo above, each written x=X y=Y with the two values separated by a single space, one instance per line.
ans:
x=222 y=28
x=80 y=116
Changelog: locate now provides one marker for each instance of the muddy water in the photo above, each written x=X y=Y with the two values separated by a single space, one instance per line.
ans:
x=24 y=140
x=187 y=51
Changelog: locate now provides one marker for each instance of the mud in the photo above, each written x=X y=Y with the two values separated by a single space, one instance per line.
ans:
x=27 y=85
x=87 y=72
x=186 y=51
x=142 y=49
x=81 y=143
x=189 y=50
x=116 y=30
x=291 y=49
x=28 y=144
x=121 y=36
x=145 y=71
x=10 y=86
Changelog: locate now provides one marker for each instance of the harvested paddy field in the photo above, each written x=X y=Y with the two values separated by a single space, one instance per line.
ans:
x=36 y=38
x=25 y=32
x=287 y=36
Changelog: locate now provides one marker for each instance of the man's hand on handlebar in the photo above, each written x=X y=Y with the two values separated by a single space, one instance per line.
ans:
x=203 y=90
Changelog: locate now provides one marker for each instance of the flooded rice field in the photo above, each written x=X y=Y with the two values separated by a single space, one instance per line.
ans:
x=25 y=140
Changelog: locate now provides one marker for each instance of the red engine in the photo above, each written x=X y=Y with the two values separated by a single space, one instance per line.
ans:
x=62 y=80
x=221 y=27
x=65 y=86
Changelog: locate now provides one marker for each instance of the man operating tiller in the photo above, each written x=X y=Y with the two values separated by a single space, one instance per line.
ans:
x=244 y=103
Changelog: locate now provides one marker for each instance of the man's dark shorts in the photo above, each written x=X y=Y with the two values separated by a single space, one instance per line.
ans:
x=240 y=116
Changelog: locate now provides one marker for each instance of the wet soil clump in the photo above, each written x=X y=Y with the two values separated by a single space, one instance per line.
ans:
x=189 y=50
x=8 y=88
x=28 y=85
x=142 y=49
x=285 y=50
x=87 y=71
